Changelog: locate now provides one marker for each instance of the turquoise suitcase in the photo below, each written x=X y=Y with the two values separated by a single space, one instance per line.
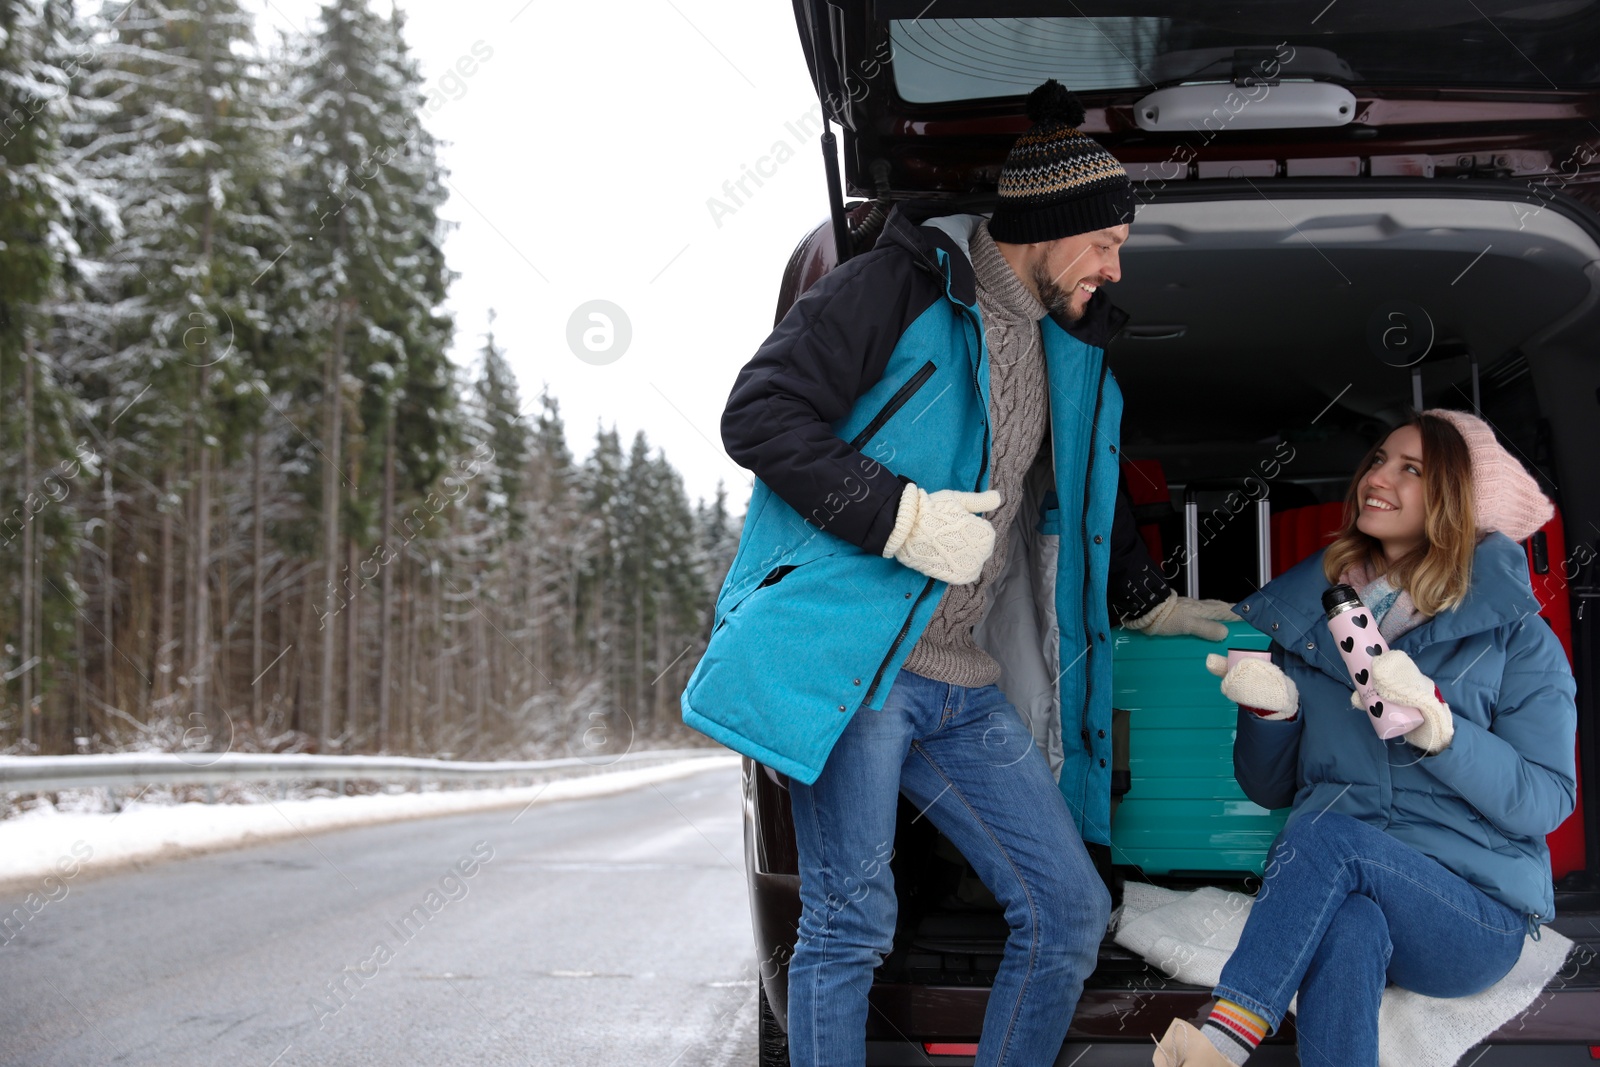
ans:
x=1184 y=813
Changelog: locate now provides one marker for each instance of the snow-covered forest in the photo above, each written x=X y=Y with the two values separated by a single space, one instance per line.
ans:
x=249 y=501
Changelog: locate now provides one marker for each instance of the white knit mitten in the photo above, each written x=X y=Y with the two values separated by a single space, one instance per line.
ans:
x=1185 y=615
x=1257 y=683
x=1396 y=678
x=940 y=534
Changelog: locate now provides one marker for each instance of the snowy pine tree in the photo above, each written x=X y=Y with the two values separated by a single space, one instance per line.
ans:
x=44 y=464
x=506 y=434
x=719 y=536
x=171 y=135
x=372 y=277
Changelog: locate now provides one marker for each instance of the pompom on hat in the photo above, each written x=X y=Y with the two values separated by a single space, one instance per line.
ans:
x=1058 y=181
x=1505 y=496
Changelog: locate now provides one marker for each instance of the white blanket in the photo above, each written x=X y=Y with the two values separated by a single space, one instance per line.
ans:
x=1189 y=936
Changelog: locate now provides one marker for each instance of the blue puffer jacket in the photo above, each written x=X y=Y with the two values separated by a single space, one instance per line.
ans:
x=879 y=374
x=1483 y=806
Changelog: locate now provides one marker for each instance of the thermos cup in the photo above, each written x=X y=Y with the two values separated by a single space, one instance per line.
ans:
x=1355 y=631
x=1237 y=654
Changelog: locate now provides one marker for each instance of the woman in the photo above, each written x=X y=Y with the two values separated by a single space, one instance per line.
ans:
x=1419 y=860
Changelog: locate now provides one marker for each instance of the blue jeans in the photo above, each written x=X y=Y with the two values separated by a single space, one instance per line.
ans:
x=1343 y=907
x=967 y=762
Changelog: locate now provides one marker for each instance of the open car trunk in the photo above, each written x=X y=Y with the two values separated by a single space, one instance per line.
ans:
x=1344 y=211
x=928 y=96
x=1313 y=316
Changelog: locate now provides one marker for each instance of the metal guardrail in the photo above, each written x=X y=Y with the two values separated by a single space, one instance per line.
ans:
x=135 y=770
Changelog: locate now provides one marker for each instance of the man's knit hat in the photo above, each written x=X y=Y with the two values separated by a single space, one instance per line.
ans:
x=1057 y=181
x=1505 y=496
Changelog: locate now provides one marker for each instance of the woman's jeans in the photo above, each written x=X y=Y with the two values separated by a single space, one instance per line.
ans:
x=967 y=763
x=1344 y=906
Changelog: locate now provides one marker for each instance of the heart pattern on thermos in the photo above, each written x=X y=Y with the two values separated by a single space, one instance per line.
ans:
x=1347 y=643
x=1374 y=650
x=1359 y=620
x=1361 y=676
x=1377 y=710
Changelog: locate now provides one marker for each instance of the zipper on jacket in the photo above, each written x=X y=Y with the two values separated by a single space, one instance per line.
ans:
x=1083 y=540
x=905 y=627
x=977 y=387
x=896 y=402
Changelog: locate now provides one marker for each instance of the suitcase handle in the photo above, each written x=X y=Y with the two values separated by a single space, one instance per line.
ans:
x=1191 y=539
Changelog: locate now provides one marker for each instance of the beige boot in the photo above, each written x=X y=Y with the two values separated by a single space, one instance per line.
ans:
x=1184 y=1046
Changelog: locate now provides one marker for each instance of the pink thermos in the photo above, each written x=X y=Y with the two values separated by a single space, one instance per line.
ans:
x=1355 y=631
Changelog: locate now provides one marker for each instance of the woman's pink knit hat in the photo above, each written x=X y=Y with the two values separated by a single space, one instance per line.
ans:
x=1505 y=496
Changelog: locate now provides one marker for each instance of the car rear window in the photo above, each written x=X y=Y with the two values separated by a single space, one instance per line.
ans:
x=1541 y=46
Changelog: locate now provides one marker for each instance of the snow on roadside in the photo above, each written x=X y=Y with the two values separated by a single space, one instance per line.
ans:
x=46 y=843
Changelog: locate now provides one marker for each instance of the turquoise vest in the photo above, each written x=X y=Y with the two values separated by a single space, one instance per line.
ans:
x=808 y=627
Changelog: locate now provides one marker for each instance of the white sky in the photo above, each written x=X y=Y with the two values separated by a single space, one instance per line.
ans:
x=581 y=156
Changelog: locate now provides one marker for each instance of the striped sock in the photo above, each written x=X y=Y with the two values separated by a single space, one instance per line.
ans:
x=1235 y=1031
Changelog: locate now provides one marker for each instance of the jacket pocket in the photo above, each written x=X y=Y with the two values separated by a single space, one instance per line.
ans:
x=791 y=663
x=896 y=402
x=772 y=578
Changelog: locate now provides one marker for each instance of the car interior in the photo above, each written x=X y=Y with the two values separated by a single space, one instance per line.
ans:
x=1310 y=356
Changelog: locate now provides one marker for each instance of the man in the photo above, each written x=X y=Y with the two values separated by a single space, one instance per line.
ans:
x=893 y=419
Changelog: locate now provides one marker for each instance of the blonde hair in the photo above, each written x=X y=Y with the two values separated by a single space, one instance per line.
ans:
x=1438 y=571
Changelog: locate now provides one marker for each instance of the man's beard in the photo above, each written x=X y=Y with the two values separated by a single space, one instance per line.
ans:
x=1055 y=299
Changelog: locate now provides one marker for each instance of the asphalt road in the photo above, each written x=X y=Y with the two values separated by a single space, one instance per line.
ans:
x=611 y=931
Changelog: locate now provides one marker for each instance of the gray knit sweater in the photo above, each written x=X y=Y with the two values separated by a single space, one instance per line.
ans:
x=1018 y=409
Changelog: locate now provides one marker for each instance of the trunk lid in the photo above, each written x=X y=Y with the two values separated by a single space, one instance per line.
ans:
x=930 y=95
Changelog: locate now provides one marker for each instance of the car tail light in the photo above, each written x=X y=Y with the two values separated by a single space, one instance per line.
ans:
x=951 y=1048
x=1594 y=1052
